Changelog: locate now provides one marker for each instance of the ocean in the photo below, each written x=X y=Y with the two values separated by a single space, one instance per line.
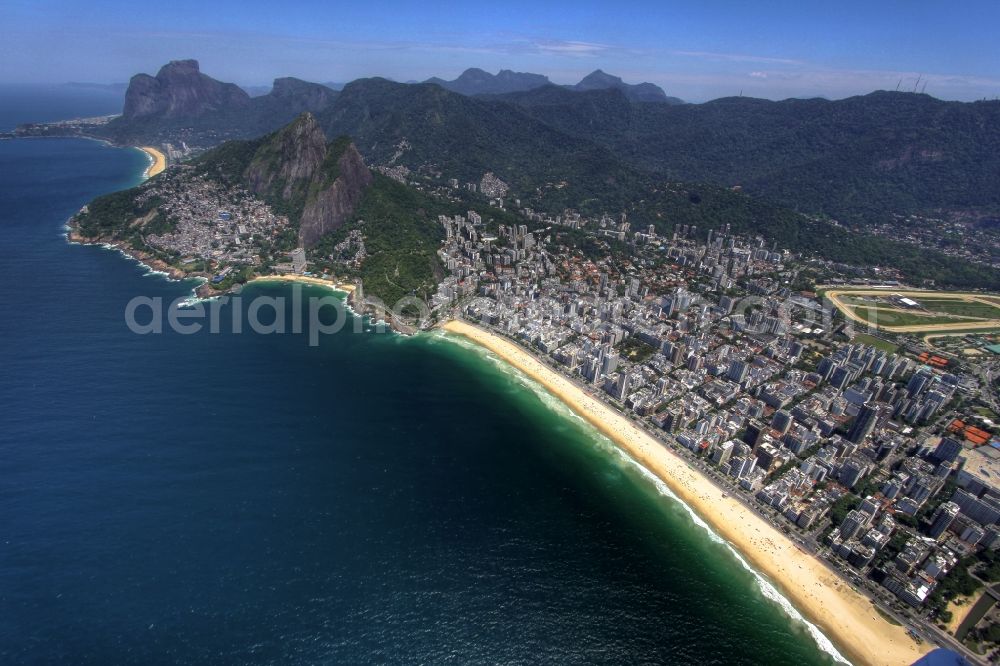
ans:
x=249 y=498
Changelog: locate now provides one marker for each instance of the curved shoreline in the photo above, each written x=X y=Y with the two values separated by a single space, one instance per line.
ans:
x=157 y=161
x=823 y=598
x=345 y=287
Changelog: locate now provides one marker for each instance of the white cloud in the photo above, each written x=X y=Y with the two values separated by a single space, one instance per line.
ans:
x=571 y=48
x=811 y=81
x=736 y=57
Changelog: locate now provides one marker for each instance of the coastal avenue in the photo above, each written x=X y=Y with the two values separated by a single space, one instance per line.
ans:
x=217 y=487
x=822 y=596
x=807 y=543
x=790 y=329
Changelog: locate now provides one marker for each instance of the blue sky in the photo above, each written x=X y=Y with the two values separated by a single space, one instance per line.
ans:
x=696 y=50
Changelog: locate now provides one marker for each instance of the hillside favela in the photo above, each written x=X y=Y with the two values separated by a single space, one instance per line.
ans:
x=577 y=333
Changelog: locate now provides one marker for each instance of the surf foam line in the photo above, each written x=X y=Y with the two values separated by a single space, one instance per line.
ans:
x=767 y=588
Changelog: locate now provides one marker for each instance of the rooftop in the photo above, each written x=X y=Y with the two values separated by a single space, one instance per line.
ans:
x=984 y=463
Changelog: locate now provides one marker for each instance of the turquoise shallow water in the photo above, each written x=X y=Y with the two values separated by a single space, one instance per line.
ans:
x=251 y=499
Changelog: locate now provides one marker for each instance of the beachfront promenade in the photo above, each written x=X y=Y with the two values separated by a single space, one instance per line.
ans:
x=824 y=598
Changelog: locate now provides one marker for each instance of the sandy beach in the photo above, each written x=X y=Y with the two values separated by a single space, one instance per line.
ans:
x=320 y=282
x=846 y=617
x=159 y=161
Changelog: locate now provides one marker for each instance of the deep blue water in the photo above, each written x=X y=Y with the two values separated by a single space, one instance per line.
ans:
x=45 y=103
x=251 y=499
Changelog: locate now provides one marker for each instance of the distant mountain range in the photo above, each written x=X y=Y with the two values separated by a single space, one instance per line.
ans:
x=257 y=91
x=420 y=125
x=857 y=159
x=641 y=92
x=598 y=145
x=181 y=103
x=475 y=81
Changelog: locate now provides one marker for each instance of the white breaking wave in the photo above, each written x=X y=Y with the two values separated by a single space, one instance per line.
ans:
x=766 y=587
x=150 y=271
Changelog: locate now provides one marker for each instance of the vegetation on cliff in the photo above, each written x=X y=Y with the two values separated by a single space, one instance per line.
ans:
x=798 y=163
x=402 y=236
x=858 y=159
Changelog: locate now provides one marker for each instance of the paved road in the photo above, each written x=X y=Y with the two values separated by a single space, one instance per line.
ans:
x=877 y=595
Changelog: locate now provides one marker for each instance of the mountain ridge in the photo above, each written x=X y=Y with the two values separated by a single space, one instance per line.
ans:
x=861 y=160
x=183 y=104
x=858 y=159
x=316 y=183
x=180 y=89
x=475 y=81
x=639 y=92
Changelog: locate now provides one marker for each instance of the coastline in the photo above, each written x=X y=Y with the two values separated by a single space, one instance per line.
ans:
x=203 y=291
x=152 y=263
x=822 y=597
x=319 y=282
x=374 y=312
x=158 y=161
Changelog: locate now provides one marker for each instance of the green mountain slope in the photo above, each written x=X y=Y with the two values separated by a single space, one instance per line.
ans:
x=303 y=177
x=182 y=104
x=426 y=126
x=325 y=191
x=857 y=159
x=710 y=207
x=401 y=235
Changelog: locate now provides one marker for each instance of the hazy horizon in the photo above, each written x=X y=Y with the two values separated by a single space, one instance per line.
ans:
x=715 y=49
x=258 y=87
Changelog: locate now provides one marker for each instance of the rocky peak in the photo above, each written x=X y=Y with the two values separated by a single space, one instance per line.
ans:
x=642 y=92
x=600 y=79
x=305 y=177
x=288 y=160
x=475 y=81
x=334 y=202
x=179 y=69
x=180 y=90
x=292 y=93
x=286 y=85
